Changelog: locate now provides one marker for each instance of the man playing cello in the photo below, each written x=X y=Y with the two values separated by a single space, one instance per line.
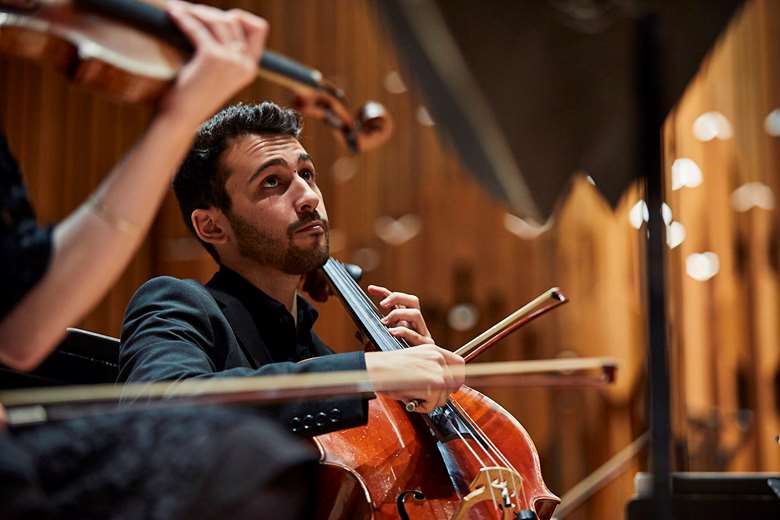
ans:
x=248 y=191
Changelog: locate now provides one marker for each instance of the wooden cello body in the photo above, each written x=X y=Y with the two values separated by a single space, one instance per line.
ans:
x=469 y=459
x=373 y=471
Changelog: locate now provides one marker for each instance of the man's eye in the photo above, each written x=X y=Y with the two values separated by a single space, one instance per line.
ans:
x=307 y=174
x=270 y=182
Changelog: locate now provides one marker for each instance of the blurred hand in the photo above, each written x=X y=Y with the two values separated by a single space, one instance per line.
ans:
x=228 y=46
x=405 y=320
x=438 y=367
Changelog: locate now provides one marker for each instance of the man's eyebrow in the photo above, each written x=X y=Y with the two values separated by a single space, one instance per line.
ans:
x=273 y=162
x=305 y=157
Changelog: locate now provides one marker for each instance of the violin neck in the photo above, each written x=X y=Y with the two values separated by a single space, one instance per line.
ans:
x=360 y=307
x=154 y=20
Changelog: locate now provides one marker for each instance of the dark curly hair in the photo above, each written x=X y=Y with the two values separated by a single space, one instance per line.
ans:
x=200 y=181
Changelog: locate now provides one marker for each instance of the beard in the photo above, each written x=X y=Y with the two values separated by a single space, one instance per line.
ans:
x=281 y=254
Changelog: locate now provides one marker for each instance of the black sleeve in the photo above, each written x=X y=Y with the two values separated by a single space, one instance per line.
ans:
x=25 y=247
x=174 y=330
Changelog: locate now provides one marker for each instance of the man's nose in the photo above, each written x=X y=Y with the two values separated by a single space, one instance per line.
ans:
x=307 y=199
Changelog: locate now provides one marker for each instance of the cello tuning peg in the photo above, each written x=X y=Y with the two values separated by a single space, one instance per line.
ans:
x=355 y=271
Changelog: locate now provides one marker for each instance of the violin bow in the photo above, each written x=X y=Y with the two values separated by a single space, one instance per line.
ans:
x=38 y=405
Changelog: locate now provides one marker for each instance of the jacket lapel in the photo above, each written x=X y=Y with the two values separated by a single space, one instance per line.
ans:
x=242 y=324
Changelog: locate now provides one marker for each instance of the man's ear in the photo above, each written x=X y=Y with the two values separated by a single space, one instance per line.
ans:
x=208 y=224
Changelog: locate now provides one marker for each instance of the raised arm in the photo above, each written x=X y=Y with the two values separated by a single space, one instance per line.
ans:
x=93 y=245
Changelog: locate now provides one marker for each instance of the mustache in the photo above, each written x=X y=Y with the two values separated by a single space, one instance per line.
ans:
x=305 y=218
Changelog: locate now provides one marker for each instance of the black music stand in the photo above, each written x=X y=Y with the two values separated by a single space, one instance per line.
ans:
x=531 y=92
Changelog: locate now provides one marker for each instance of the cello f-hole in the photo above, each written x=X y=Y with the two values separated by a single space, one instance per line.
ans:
x=400 y=502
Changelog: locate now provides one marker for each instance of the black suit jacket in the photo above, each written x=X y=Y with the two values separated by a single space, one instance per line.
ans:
x=178 y=329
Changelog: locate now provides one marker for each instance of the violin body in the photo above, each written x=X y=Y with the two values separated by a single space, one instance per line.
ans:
x=373 y=471
x=100 y=54
x=130 y=51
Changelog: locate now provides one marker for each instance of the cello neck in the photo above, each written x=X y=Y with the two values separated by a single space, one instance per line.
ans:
x=360 y=307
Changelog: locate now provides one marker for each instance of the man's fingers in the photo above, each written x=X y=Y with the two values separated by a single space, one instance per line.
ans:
x=441 y=371
x=455 y=375
x=455 y=369
x=233 y=25
x=436 y=400
x=410 y=315
x=412 y=337
x=410 y=318
x=378 y=291
x=405 y=312
x=392 y=299
x=399 y=299
x=424 y=407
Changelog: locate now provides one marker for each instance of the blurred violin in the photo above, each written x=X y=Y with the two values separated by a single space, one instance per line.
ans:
x=130 y=50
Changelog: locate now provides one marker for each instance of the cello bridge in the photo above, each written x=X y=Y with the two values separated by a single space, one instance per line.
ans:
x=500 y=485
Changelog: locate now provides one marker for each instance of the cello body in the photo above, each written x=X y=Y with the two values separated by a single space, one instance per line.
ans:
x=466 y=460
x=373 y=471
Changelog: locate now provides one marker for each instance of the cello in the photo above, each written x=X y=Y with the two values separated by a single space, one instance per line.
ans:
x=469 y=459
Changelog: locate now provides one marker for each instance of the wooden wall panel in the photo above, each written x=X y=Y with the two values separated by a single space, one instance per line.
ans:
x=724 y=331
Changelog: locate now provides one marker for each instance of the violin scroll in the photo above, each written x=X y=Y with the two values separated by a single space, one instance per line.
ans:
x=369 y=128
x=374 y=125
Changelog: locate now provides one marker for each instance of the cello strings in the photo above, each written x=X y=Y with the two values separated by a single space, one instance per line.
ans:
x=473 y=424
x=486 y=440
x=369 y=316
x=514 y=472
x=482 y=435
x=367 y=308
x=481 y=463
x=341 y=282
x=478 y=436
x=506 y=462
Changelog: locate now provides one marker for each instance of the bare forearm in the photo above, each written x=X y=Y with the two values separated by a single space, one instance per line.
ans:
x=94 y=244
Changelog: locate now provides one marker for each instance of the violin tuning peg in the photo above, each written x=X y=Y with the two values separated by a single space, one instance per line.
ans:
x=374 y=125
